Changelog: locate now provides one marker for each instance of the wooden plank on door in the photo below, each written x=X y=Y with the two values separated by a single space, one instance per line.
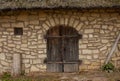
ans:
x=71 y=67
x=53 y=53
x=62 y=47
x=54 y=67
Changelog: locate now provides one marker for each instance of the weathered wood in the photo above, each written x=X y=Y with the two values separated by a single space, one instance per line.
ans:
x=113 y=49
x=54 y=67
x=16 y=65
x=62 y=49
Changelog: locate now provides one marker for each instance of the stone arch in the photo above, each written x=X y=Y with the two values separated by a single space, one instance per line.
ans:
x=66 y=21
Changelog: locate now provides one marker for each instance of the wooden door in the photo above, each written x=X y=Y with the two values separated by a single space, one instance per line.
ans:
x=62 y=49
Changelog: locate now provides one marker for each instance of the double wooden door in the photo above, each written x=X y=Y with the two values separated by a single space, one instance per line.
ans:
x=62 y=49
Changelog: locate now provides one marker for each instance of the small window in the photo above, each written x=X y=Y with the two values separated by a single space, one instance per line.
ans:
x=18 y=31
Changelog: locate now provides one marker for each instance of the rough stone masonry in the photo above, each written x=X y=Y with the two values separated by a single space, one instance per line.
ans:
x=99 y=28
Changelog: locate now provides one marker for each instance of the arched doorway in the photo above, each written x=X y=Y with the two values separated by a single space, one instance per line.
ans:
x=62 y=49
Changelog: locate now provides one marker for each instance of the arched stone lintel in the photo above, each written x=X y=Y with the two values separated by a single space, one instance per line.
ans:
x=68 y=22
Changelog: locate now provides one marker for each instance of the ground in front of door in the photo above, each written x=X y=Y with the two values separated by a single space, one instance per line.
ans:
x=82 y=76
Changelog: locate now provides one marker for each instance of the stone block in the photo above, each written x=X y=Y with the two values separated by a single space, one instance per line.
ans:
x=95 y=64
x=45 y=26
x=96 y=51
x=52 y=22
x=95 y=56
x=27 y=65
x=90 y=35
x=79 y=26
x=34 y=22
x=91 y=67
x=1 y=43
x=2 y=39
x=5 y=24
x=42 y=19
x=25 y=49
x=10 y=30
x=37 y=61
x=89 y=57
x=102 y=32
x=42 y=56
x=62 y=21
x=57 y=21
x=34 y=53
x=30 y=56
x=118 y=25
x=104 y=41
x=103 y=48
x=34 y=69
x=85 y=36
x=71 y=21
x=33 y=43
x=116 y=58
x=6 y=20
x=2 y=56
x=26 y=61
x=85 y=41
x=38 y=28
x=104 y=26
x=5 y=63
x=40 y=51
x=11 y=45
x=83 y=18
x=82 y=46
x=82 y=56
x=17 y=24
x=24 y=45
x=43 y=66
x=32 y=46
x=1 y=49
x=45 y=51
x=86 y=62
x=111 y=27
x=90 y=45
x=83 y=67
x=86 y=51
x=76 y=22
x=42 y=46
x=89 y=31
x=66 y=21
x=27 y=70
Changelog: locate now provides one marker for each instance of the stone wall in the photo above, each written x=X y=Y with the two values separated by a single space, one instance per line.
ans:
x=99 y=28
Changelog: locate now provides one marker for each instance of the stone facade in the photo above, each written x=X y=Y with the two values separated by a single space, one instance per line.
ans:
x=99 y=28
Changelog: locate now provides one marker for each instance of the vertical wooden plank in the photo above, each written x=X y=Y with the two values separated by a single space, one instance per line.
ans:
x=16 y=65
x=54 y=54
x=71 y=54
x=54 y=67
x=62 y=49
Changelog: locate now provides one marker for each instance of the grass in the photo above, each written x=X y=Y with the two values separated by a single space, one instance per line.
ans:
x=7 y=77
x=25 y=78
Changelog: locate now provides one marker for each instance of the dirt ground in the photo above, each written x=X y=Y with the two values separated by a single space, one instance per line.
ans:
x=82 y=76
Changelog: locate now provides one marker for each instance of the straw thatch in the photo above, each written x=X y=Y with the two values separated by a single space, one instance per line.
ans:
x=15 y=4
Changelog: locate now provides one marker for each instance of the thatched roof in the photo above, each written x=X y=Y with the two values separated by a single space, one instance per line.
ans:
x=28 y=4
